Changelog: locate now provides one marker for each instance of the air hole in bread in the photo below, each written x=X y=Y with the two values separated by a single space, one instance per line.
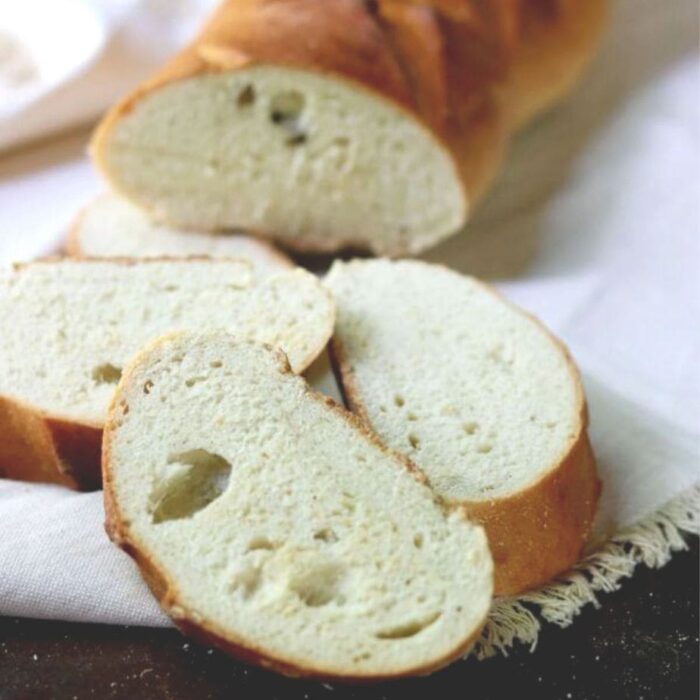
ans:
x=286 y=106
x=286 y=109
x=147 y=386
x=248 y=580
x=484 y=448
x=296 y=139
x=470 y=427
x=414 y=441
x=348 y=502
x=196 y=479
x=326 y=535
x=106 y=374
x=318 y=585
x=399 y=400
x=411 y=416
x=260 y=543
x=216 y=364
x=246 y=97
x=418 y=540
x=195 y=380
x=408 y=629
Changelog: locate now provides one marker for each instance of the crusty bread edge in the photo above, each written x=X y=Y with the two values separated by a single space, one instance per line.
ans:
x=37 y=447
x=40 y=446
x=548 y=63
x=534 y=554
x=165 y=589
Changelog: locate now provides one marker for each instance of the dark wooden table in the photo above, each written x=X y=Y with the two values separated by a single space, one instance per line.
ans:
x=642 y=644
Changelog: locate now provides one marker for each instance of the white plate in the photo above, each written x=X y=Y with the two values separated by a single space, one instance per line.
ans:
x=61 y=38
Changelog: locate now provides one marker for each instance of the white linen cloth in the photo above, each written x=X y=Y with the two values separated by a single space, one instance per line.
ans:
x=593 y=226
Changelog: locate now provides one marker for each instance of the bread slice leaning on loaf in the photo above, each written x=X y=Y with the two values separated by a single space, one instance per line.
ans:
x=362 y=137
x=110 y=226
x=268 y=521
x=70 y=327
x=481 y=397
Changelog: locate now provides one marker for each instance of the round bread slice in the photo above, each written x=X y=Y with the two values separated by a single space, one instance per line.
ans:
x=71 y=326
x=269 y=522
x=481 y=397
x=110 y=226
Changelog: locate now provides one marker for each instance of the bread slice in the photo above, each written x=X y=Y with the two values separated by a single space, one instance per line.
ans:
x=270 y=523
x=481 y=397
x=321 y=144
x=71 y=326
x=110 y=226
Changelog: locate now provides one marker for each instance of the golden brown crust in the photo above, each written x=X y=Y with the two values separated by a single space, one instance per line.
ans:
x=556 y=40
x=35 y=447
x=539 y=532
x=164 y=588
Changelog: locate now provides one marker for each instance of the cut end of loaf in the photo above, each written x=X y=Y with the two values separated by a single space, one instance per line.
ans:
x=318 y=163
x=285 y=534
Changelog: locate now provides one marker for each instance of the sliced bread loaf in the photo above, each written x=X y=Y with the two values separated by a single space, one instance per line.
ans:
x=270 y=523
x=359 y=137
x=110 y=226
x=481 y=397
x=71 y=326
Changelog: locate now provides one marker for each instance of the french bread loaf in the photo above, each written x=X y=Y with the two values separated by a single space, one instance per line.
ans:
x=481 y=397
x=360 y=138
x=110 y=226
x=71 y=326
x=269 y=522
x=379 y=134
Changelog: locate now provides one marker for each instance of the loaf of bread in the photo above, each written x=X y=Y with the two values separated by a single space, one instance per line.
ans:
x=110 y=226
x=343 y=123
x=481 y=397
x=269 y=522
x=71 y=326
